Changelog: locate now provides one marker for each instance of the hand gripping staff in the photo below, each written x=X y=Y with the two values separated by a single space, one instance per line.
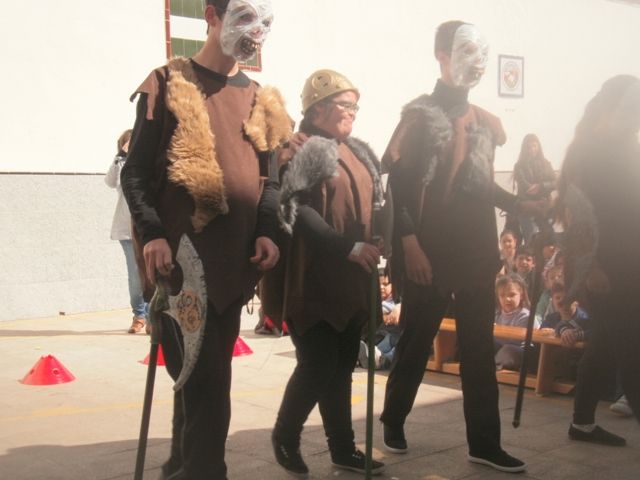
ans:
x=189 y=309
x=545 y=234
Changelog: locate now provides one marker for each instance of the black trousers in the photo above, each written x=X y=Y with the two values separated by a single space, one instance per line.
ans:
x=420 y=318
x=323 y=375
x=614 y=346
x=202 y=408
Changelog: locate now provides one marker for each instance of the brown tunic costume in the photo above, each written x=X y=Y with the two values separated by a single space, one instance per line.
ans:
x=321 y=285
x=198 y=165
x=220 y=188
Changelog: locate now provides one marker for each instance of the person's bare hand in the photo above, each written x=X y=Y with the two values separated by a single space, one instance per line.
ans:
x=365 y=255
x=267 y=253
x=416 y=263
x=533 y=189
x=569 y=337
x=157 y=256
x=393 y=318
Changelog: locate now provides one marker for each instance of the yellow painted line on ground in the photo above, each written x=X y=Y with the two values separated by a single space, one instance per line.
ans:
x=66 y=411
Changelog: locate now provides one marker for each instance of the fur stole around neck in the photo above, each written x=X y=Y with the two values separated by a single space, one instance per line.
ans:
x=315 y=162
x=192 y=153
x=475 y=174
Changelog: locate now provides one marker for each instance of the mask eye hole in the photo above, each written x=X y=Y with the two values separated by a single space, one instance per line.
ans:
x=469 y=49
x=246 y=18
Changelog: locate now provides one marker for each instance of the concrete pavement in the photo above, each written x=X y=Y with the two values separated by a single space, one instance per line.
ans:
x=87 y=429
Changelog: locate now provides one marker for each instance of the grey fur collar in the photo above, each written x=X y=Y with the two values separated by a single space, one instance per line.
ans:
x=315 y=162
x=439 y=130
x=475 y=175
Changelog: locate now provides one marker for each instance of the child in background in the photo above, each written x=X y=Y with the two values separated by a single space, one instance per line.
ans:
x=387 y=336
x=508 y=243
x=570 y=323
x=525 y=264
x=551 y=275
x=513 y=310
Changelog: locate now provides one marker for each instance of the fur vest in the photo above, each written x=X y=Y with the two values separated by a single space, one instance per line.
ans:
x=310 y=285
x=473 y=172
x=315 y=162
x=192 y=152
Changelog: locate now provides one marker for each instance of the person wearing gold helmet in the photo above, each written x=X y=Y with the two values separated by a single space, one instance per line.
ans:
x=329 y=181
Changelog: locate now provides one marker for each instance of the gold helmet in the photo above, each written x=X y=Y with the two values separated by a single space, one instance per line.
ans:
x=322 y=84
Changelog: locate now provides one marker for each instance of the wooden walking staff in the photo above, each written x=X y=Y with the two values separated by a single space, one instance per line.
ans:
x=545 y=234
x=374 y=316
x=156 y=306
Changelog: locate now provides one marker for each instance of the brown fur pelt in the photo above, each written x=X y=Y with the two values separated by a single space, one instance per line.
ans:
x=192 y=148
x=269 y=125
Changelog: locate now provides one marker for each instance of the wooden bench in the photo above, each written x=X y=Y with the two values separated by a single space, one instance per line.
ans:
x=553 y=361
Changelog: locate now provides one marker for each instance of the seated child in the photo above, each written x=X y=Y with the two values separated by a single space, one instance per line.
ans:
x=508 y=242
x=388 y=334
x=513 y=303
x=550 y=275
x=570 y=323
x=525 y=263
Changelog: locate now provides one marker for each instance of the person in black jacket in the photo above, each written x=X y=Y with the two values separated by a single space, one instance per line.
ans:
x=440 y=161
x=199 y=167
x=599 y=202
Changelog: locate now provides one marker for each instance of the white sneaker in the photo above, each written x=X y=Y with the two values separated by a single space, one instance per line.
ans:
x=379 y=358
x=621 y=407
x=363 y=355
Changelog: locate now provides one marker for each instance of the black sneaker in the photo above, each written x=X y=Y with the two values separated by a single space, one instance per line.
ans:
x=499 y=460
x=597 y=435
x=393 y=439
x=356 y=462
x=290 y=459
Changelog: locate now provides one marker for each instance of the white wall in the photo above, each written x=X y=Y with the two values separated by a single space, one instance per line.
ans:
x=570 y=48
x=70 y=66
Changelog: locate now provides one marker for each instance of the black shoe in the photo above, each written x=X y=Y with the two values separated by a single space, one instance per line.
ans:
x=499 y=460
x=393 y=439
x=290 y=459
x=597 y=435
x=356 y=462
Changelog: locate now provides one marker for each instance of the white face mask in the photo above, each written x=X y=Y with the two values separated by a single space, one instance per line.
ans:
x=245 y=27
x=469 y=56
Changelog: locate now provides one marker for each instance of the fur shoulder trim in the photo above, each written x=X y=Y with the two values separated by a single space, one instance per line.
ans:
x=315 y=161
x=191 y=153
x=493 y=123
x=269 y=125
x=439 y=130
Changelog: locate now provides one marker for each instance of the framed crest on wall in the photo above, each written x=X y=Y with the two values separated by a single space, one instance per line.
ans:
x=510 y=76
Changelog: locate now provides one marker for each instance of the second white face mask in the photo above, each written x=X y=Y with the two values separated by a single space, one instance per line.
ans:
x=469 y=56
x=245 y=27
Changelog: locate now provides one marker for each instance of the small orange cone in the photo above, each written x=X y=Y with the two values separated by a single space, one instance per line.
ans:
x=48 y=371
x=159 y=362
x=241 y=348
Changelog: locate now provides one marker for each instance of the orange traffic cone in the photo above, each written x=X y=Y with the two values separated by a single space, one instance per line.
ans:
x=48 y=371
x=241 y=348
x=160 y=361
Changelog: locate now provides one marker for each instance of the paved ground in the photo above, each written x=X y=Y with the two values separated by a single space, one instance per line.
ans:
x=87 y=429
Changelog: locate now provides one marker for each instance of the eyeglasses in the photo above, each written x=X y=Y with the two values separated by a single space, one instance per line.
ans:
x=348 y=106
